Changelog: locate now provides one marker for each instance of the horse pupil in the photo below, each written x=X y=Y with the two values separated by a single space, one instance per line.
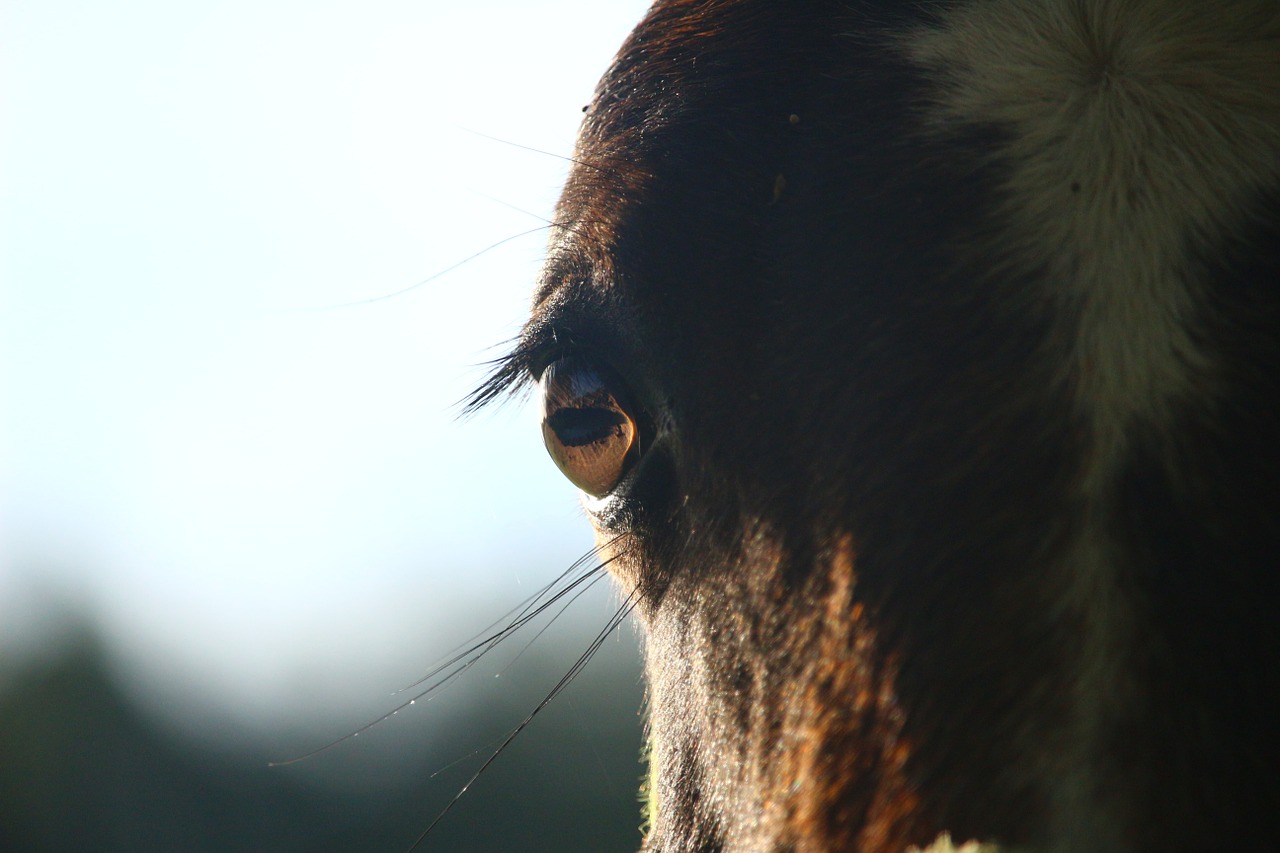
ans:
x=578 y=427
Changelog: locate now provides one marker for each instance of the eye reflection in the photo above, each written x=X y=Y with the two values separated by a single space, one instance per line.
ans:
x=588 y=431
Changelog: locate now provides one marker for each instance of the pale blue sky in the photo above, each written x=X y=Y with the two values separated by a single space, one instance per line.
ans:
x=253 y=500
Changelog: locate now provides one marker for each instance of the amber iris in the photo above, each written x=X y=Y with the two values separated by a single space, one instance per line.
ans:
x=588 y=430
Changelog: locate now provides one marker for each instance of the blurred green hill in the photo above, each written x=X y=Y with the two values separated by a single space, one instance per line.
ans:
x=83 y=767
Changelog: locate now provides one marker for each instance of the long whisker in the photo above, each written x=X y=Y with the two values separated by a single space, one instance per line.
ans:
x=525 y=610
x=618 y=617
x=529 y=610
x=595 y=579
x=564 y=157
x=458 y=662
x=402 y=291
x=603 y=165
x=511 y=206
x=486 y=634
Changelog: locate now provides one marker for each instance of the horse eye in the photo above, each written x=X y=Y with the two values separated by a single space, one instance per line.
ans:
x=588 y=430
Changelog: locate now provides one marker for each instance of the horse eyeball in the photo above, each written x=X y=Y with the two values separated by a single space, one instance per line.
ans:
x=588 y=431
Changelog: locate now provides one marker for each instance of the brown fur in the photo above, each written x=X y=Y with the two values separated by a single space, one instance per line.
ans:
x=951 y=336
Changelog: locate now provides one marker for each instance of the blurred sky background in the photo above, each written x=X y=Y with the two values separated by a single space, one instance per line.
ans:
x=266 y=506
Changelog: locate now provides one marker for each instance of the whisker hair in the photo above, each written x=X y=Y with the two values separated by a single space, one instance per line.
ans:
x=623 y=611
x=356 y=303
x=565 y=157
x=463 y=658
x=594 y=580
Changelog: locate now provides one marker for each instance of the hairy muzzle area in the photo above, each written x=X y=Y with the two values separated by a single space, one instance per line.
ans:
x=773 y=716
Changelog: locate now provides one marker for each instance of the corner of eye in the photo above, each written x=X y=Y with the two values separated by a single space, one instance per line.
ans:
x=596 y=505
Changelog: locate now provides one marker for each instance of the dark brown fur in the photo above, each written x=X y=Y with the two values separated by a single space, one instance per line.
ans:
x=861 y=459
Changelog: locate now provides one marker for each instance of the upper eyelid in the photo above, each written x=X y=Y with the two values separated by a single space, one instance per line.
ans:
x=549 y=340
x=543 y=358
x=571 y=320
x=538 y=353
x=540 y=343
